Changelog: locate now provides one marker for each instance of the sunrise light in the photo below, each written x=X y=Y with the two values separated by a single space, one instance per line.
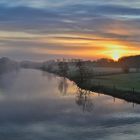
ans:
x=116 y=54
x=116 y=51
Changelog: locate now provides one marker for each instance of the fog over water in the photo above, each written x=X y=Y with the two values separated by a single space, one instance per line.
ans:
x=38 y=105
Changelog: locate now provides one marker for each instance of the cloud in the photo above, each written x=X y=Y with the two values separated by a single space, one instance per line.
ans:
x=23 y=24
x=56 y=3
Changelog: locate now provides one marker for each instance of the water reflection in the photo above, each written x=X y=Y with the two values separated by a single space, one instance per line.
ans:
x=84 y=100
x=83 y=97
x=32 y=108
x=63 y=86
x=49 y=76
x=6 y=79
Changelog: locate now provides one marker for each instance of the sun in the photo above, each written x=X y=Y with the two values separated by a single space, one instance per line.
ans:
x=116 y=54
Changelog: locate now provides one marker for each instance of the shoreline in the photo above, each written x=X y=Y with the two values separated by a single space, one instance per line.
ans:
x=129 y=96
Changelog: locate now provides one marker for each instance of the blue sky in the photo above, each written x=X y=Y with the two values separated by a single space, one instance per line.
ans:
x=46 y=29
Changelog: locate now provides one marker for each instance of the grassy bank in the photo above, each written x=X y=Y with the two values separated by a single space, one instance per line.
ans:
x=106 y=80
x=123 y=86
x=125 y=82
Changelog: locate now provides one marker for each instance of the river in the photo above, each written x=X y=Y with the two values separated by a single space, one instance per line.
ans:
x=36 y=105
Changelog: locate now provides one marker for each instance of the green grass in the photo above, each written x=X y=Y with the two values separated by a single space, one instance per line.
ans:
x=120 y=81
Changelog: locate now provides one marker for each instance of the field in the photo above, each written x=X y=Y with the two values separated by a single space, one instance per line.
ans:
x=128 y=81
x=106 y=80
x=110 y=78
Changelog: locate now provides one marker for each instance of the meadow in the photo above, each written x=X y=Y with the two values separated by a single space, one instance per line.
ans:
x=129 y=81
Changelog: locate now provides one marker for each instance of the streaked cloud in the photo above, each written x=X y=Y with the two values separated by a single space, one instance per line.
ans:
x=61 y=27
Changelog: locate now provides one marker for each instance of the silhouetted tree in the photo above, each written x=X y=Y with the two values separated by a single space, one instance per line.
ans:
x=131 y=62
x=81 y=70
x=63 y=68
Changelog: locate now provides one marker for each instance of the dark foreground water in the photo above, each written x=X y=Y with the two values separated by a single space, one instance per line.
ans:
x=40 y=106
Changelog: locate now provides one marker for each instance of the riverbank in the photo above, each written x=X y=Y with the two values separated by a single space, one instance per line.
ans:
x=104 y=80
x=122 y=88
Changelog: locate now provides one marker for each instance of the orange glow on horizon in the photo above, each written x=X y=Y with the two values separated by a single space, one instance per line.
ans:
x=89 y=46
x=117 y=51
x=78 y=45
x=116 y=55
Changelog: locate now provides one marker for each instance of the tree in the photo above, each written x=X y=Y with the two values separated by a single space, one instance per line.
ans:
x=63 y=68
x=130 y=62
x=81 y=70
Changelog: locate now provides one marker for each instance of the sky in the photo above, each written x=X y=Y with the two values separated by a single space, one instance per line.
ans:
x=51 y=29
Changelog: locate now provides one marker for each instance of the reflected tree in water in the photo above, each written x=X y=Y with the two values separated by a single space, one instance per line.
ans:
x=47 y=75
x=63 y=86
x=84 y=100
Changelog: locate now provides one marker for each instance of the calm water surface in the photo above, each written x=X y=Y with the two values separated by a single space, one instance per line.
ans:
x=40 y=106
